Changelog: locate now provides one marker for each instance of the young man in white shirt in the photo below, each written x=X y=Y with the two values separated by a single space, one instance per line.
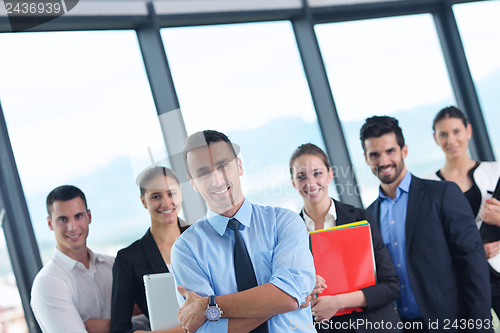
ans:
x=72 y=292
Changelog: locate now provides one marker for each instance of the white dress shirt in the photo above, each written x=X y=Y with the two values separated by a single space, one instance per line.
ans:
x=65 y=294
x=330 y=218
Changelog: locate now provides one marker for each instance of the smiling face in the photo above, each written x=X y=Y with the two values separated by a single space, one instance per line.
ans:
x=311 y=177
x=215 y=173
x=452 y=136
x=386 y=158
x=163 y=200
x=70 y=222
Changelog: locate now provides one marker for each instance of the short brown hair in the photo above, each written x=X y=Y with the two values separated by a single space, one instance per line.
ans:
x=64 y=193
x=204 y=138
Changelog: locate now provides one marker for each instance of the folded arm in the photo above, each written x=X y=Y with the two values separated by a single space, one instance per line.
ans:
x=467 y=250
x=54 y=308
x=289 y=281
x=97 y=325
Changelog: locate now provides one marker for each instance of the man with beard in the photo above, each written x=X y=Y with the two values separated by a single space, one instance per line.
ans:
x=250 y=264
x=429 y=230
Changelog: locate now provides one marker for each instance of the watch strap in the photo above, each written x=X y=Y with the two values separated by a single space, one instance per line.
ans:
x=211 y=300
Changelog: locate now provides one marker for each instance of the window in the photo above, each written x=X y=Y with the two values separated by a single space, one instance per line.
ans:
x=79 y=111
x=247 y=81
x=479 y=28
x=390 y=66
x=11 y=310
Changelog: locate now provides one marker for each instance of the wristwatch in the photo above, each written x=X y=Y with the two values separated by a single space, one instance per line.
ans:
x=213 y=311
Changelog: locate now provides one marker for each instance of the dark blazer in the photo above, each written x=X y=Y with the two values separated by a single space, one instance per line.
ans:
x=445 y=258
x=131 y=264
x=379 y=297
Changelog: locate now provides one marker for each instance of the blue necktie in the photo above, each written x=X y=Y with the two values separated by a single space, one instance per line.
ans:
x=243 y=268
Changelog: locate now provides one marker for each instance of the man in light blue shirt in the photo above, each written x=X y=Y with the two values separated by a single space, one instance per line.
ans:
x=203 y=259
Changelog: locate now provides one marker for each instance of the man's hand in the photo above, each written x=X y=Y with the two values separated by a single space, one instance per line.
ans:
x=97 y=325
x=490 y=212
x=192 y=312
x=492 y=249
x=306 y=304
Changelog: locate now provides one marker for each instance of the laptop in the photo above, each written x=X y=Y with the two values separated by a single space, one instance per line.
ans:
x=161 y=300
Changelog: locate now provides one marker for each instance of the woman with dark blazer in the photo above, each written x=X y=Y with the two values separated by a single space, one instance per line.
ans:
x=161 y=196
x=311 y=174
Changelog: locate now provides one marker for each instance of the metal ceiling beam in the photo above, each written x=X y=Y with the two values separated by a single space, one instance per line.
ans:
x=168 y=109
x=365 y=11
x=324 y=105
x=102 y=20
x=77 y=23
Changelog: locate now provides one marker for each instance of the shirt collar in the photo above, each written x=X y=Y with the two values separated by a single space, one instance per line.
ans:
x=69 y=263
x=404 y=186
x=310 y=223
x=219 y=222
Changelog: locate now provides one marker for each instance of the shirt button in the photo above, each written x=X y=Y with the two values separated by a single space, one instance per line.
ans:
x=406 y=309
x=393 y=222
x=393 y=202
x=402 y=286
x=395 y=243
x=399 y=265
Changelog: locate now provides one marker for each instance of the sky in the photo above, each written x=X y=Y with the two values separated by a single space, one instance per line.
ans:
x=73 y=99
x=382 y=66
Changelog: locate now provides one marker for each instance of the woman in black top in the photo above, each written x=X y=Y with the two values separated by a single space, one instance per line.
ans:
x=161 y=196
x=311 y=174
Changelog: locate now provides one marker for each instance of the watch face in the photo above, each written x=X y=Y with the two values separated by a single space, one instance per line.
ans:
x=213 y=313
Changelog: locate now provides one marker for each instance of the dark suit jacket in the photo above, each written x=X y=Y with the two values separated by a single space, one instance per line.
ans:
x=131 y=264
x=379 y=297
x=445 y=258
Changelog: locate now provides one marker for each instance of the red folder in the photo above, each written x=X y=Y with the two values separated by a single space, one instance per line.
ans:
x=344 y=257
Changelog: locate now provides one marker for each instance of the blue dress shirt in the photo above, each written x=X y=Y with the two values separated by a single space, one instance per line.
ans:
x=278 y=244
x=393 y=230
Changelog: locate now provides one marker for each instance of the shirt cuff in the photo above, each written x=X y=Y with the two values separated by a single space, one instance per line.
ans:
x=292 y=284
x=218 y=326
